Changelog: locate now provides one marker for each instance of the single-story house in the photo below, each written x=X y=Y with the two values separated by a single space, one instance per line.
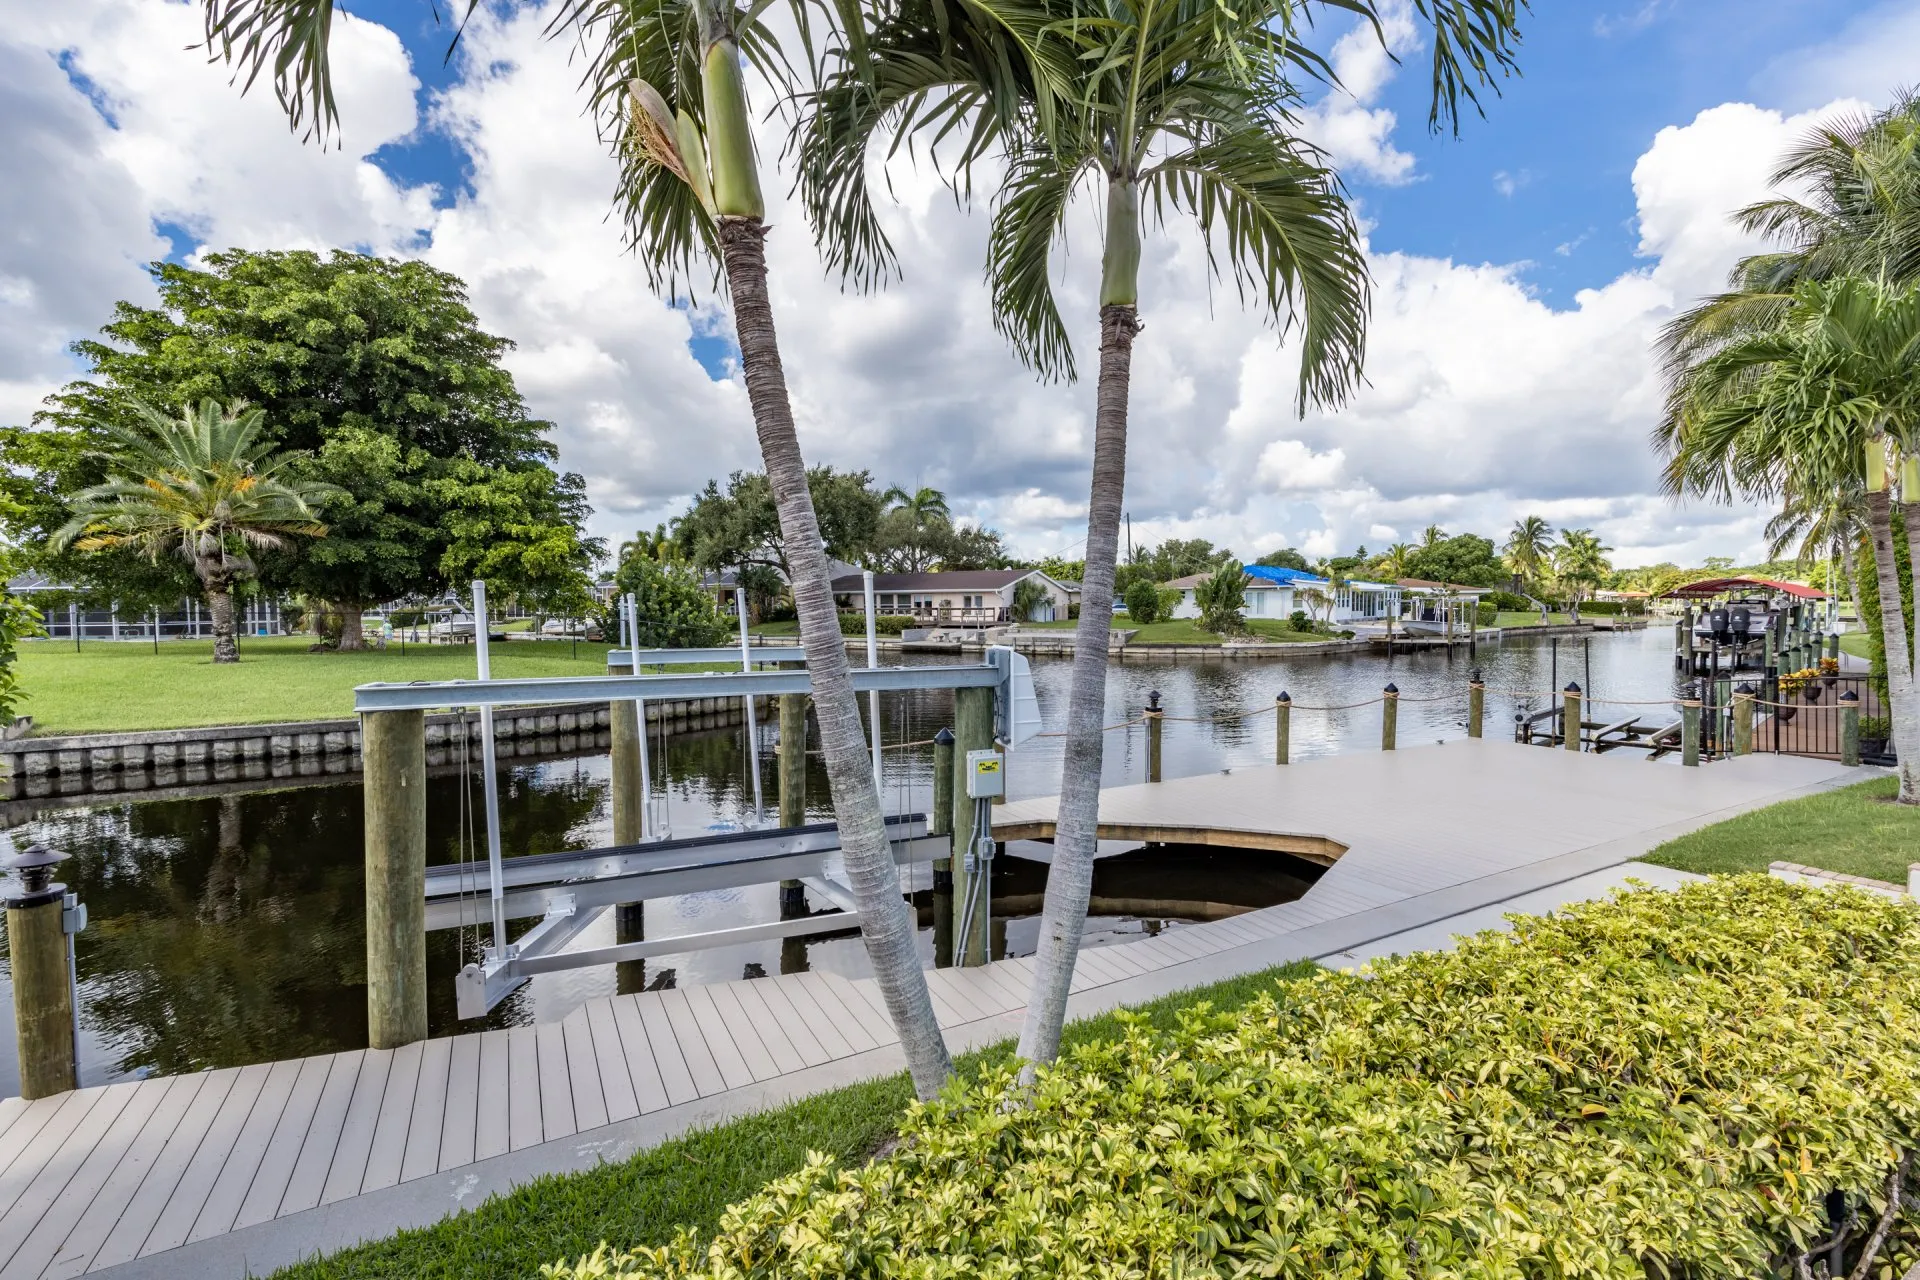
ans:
x=1271 y=593
x=966 y=597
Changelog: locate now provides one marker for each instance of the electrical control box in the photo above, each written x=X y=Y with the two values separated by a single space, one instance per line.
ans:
x=986 y=775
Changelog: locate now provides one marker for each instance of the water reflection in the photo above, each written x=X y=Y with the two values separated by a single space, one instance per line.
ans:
x=228 y=928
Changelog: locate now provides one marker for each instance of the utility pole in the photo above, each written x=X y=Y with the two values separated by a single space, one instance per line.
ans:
x=1129 y=537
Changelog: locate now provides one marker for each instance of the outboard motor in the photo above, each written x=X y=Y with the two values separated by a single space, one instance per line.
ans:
x=1740 y=622
x=1720 y=624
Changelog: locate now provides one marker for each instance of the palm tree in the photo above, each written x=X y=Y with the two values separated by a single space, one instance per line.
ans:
x=1028 y=598
x=657 y=545
x=924 y=506
x=1823 y=405
x=1528 y=545
x=1579 y=565
x=1432 y=536
x=1184 y=105
x=1393 y=562
x=205 y=486
x=667 y=83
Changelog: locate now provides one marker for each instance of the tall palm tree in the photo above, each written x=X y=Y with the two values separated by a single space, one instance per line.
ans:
x=1183 y=106
x=1394 y=561
x=1528 y=545
x=203 y=485
x=1579 y=566
x=666 y=80
x=924 y=505
x=1432 y=536
x=1824 y=403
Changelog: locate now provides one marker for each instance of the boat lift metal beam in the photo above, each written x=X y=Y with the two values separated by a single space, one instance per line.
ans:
x=427 y=695
x=785 y=655
x=541 y=884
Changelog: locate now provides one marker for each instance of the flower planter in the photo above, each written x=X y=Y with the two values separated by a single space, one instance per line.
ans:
x=1784 y=714
x=1812 y=693
x=1873 y=746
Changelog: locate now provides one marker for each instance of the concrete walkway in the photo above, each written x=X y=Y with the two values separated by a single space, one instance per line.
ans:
x=237 y=1171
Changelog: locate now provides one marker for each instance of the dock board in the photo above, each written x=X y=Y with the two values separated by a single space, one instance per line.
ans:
x=108 y=1175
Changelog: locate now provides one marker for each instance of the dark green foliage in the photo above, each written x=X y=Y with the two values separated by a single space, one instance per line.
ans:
x=1143 y=602
x=375 y=369
x=1665 y=1084
x=884 y=624
x=1179 y=558
x=1222 y=599
x=1299 y=621
x=1509 y=602
x=1867 y=596
x=18 y=620
x=1285 y=558
x=1485 y=615
x=1464 y=560
x=741 y=526
x=671 y=608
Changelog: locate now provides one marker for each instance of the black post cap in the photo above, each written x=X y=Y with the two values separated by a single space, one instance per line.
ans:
x=1573 y=686
x=1475 y=677
x=1153 y=699
x=1849 y=696
x=1283 y=696
x=1392 y=688
x=944 y=738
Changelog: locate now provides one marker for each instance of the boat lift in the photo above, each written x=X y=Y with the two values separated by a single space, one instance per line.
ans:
x=571 y=890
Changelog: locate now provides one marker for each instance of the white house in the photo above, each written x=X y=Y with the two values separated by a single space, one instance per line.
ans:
x=977 y=597
x=1271 y=593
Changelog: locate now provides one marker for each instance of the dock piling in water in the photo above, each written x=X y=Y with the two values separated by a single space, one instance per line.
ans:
x=1476 y=703
x=1389 y=716
x=1570 y=716
x=38 y=951
x=393 y=748
x=1743 y=719
x=1282 y=727
x=1690 y=726
x=1155 y=719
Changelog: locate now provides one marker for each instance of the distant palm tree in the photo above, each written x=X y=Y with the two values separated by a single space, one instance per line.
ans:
x=1528 y=545
x=1029 y=596
x=1432 y=536
x=203 y=485
x=1579 y=566
x=1394 y=561
x=925 y=505
x=658 y=545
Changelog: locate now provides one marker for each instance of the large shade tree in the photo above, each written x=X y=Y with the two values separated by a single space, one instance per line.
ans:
x=378 y=374
x=1162 y=107
x=206 y=485
x=667 y=79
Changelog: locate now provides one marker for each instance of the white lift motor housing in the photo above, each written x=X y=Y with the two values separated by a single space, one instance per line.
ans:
x=986 y=775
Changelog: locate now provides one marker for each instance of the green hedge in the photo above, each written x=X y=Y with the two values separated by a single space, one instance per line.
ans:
x=1668 y=1084
x=1508 y=602
x=885 y=624
x=1866 y=595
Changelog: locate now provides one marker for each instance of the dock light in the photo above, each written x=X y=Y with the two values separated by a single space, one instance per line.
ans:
x=1153 y=699
x=34 y=869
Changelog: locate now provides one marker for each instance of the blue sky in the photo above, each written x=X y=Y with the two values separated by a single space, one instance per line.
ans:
x=1521 y=270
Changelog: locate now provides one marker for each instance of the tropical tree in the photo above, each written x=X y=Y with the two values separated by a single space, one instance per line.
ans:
x=1029 y=596
x=1826 y=401
x=1432 y=536
x=1221 y=597
x=1186 y=107
x=1394 y=562
x=206 y=486
x=667 y=81
x=1579 y=566
x=1527 y=550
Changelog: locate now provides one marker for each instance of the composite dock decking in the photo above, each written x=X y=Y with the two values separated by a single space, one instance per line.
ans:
x=240 y=1169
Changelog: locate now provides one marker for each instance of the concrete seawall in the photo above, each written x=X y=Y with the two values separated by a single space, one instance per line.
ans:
x=50 y=765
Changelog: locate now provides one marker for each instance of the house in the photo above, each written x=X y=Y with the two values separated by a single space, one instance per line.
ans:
x=1439 y=608
x=966 y=597
x=1271 y=593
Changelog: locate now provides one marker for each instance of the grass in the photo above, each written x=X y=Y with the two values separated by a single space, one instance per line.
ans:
x=109 y=686
x=1856 y=643
x=1187 y=631
x=1854 y=830
x=791 y=627
x=1530 y=618
x=690 y=1180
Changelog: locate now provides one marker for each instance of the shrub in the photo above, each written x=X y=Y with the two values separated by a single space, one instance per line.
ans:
x=671 y=608
x=1299 y=621
x=1222 y=599
x=1485 y=615
x=1508 y=601
x=1667 y=1084
x=1143 y=603
x=884 y=624
x=1879 y=728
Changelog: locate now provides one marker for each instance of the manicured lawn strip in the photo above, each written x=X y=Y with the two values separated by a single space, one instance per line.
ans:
x=1531 y=619
x=1187 y=631
x=1856 y=643
x=109 y=686
x=689 y=1181
x=1853 y=830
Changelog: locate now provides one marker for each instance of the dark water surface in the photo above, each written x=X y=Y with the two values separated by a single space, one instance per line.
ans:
x=228 y=928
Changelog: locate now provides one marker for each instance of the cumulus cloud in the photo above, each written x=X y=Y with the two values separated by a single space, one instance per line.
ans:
x=1481 y=403
x=1355 y=134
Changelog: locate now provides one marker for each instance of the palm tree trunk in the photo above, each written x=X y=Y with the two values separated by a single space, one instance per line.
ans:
x=1070 y=878
x=1902 y=710
x=886 y=925
x=220 y=610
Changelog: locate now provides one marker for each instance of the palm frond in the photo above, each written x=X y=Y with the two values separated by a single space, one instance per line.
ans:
x=1028 y=216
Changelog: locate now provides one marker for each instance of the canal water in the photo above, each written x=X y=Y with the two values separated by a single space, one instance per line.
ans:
x=227 y=926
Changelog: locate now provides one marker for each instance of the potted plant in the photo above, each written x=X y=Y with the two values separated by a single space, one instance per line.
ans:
x=1830 y=671
x=1874 y=732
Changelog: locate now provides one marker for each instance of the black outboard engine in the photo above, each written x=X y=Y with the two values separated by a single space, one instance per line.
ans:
x=1740 y=622
x=1719 y=621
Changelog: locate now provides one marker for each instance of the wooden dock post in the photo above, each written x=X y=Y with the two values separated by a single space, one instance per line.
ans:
x=1389 y=716
x=1743 y=719
x=1570 y=716
x=1282 y=727
x=972 y=731
x=1155 y=724
x=792 y=781
x=1850 y=728
x=1690 y=727
x=629 y=805
x=42 y=979
x=1476 y=704
x=393 y=753
x=940 y=823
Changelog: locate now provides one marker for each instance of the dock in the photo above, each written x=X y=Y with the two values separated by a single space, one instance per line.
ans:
x=236 y=1171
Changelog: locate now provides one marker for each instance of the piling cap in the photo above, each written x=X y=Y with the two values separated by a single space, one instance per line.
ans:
x=35 y=869
x=944 y=738
x=1475 y=677
x=1573 y=686
x=1849 y=696
x=1153 y=699
x=1283 y=696
x=1392 y=688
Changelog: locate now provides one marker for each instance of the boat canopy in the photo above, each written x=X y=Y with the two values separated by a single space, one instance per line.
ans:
x=1707 y=588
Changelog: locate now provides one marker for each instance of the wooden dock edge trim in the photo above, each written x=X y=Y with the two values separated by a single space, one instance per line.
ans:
x=1318 y=849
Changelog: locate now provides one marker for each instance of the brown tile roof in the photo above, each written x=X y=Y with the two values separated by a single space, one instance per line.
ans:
x=957 y=580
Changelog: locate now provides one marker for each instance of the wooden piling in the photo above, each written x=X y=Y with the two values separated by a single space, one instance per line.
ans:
x=393 y=753
x=42 y=987
x=1743 y=720
x=629 y=803
x=793 y=760
x=972 y=731
x=1476 y=705
x=1570 y=716
x=1155 y=724
x=1389 y=716
x=1690 y=728
x=1850 y=728
x=1282 y=727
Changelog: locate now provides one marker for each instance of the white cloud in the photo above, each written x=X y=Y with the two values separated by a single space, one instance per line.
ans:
x=1870 y=56
x=1357 y=135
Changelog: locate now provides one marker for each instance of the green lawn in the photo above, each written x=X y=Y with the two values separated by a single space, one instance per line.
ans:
x=689 y=1181
x=1531 y=618
x=1855 y=643
x=1187 y=631
x=791 y=627
x=1855 y=830
x=108 y=686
